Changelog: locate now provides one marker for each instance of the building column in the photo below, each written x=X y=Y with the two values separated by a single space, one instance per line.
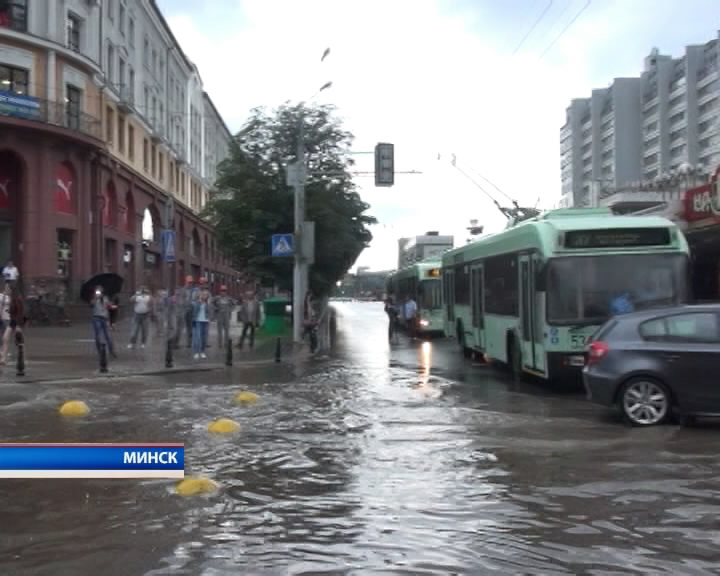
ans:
x=38 y=233
x=51 y=80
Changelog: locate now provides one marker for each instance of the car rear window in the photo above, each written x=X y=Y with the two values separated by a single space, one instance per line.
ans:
x=603 y=331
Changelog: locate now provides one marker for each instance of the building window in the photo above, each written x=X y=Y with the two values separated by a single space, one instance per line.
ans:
x=110 y=10
x=131 y=32
x=146 y=53
x=153 y=161
x=121 y=72
x=13 y=15
x=154 y=61
x=146 y=102
x=161 y=166
x=131 y=143
x=110 y=62
x=13 y=79
x=109 y=124
x=146 y=155
x=121 y=19
x=121 y=134
x=73 y=106
x=73 y=26
x=131 y=83
x=171 y=173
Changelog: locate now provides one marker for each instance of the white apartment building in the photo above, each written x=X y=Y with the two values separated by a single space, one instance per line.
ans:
x=643 y=129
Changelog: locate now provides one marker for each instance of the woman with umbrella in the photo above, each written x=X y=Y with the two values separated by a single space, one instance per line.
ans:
x=98 y=291
x=101 y=306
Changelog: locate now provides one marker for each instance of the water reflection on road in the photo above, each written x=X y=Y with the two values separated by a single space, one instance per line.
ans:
x=380 y=460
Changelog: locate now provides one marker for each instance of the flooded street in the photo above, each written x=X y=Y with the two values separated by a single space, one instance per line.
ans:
x=378 y=460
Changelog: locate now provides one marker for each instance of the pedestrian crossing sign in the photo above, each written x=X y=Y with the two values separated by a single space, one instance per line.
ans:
x=283 y=245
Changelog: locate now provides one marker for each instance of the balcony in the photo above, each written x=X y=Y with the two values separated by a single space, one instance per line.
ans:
x=126 y=102
x=38 y=110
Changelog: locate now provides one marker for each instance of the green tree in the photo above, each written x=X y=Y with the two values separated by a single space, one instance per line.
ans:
x=252 y=201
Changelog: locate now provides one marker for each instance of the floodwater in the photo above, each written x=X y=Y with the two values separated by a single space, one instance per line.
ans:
x=376 y=460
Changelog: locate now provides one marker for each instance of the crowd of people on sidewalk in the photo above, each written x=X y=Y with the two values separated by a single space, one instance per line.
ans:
x=183 y=316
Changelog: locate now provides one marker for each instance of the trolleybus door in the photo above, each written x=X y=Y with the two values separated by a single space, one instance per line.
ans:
x=538 y=299
x=476 y=305
x=449 y=295
x=527 y=311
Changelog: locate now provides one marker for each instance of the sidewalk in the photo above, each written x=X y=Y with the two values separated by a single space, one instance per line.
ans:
x=69 y=353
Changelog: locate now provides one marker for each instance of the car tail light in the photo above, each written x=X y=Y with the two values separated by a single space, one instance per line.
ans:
x=597 y=351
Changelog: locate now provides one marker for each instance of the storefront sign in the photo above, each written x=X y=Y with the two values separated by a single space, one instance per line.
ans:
x=19 y=105
x=703 y=202
x=64 y=189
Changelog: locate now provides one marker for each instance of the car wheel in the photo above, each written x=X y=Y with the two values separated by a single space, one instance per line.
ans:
x=645 y=402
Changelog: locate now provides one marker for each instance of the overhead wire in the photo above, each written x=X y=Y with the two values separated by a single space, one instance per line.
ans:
x=565 y=29
x=558 y=17
x=532 y=28
x=492 y=198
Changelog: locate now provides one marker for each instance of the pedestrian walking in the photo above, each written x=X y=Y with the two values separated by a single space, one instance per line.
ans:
x=5 y=302
x=200 y=322
x=100 y=316
x=184 y=311
x=17 y=314
x=142 y=306
x=250 y=318
x=223 y=305
x=159 y=311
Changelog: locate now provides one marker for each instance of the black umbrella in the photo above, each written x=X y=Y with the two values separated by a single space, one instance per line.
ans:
x=110 y=282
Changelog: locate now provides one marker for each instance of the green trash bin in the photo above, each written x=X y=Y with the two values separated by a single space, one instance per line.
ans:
x=275 y=322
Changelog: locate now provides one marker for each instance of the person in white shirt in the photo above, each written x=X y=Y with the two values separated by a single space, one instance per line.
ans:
x=410 y=316
x=142 y=306
x=10 y=272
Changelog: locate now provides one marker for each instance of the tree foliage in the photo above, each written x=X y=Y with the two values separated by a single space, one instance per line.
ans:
x=252 y=201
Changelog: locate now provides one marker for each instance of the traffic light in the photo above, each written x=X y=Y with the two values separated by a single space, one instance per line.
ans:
x=384 y=164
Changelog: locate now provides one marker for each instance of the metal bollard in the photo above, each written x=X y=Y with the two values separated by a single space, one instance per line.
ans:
x=278 y=350
x=103 y=359
x=228 y=353
x=169 y=353
x=20 y=342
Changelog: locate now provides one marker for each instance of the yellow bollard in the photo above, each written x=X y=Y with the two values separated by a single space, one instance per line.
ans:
x=246 y=397
x=223 y=426
x=195 y=485
x=74 y=408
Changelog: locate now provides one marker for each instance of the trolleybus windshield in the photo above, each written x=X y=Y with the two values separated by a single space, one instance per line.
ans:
x=586 y=289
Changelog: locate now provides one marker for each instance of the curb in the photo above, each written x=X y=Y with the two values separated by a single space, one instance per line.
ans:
x=97 y=376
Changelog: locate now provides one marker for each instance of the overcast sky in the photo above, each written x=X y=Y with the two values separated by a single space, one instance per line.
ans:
x=435 y=78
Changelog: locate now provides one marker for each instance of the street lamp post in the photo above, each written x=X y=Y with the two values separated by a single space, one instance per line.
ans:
x=300 y=270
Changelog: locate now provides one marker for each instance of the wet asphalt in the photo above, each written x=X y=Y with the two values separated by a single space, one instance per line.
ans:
x=372 y=459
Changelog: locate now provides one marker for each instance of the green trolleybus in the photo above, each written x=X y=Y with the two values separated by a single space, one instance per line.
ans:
x=532 y=295
x=422 y=282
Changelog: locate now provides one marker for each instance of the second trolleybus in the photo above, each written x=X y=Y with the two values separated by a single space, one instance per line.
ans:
x=420 y=281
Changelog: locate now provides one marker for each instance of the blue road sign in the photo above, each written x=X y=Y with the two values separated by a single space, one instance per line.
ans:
x=283 y=245
x=168 y=245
